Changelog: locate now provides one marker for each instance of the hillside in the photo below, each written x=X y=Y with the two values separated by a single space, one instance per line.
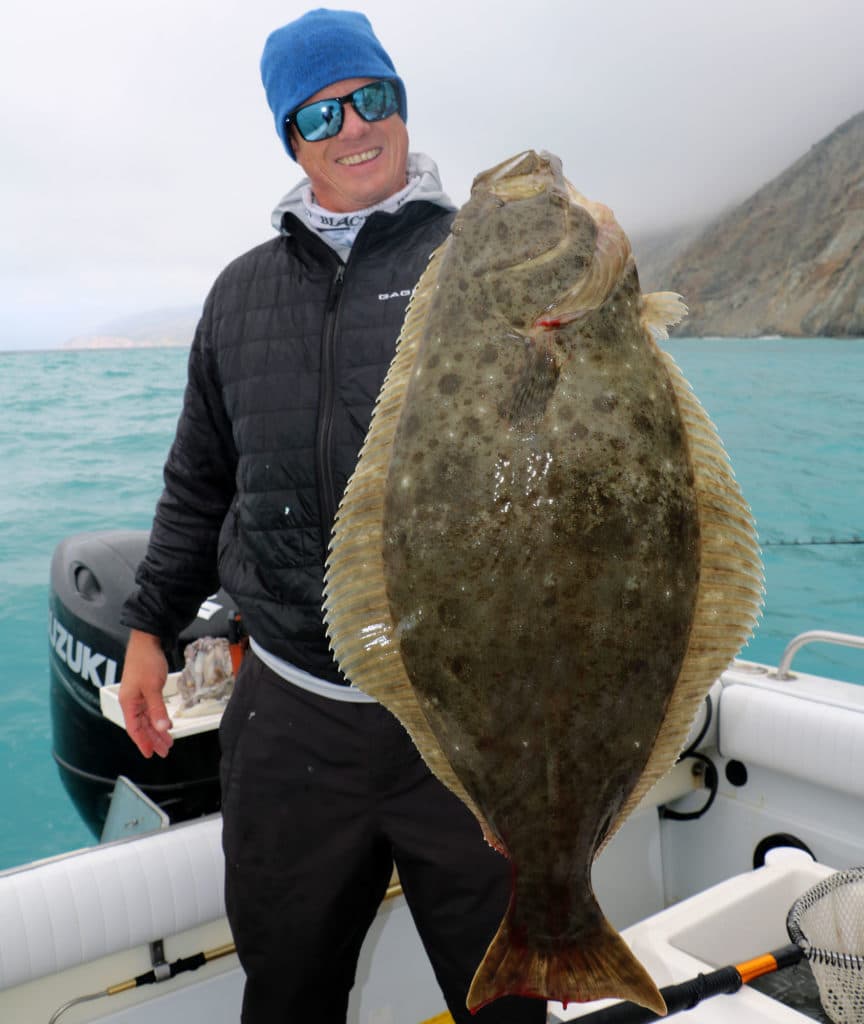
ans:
x=787 y=261
x=155 y=329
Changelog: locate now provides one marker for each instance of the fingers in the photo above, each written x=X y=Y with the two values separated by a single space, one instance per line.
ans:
x=145 y=671
x=148 y=725
x=160 y=723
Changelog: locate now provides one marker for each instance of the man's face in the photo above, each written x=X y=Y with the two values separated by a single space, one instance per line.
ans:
x=362 y=165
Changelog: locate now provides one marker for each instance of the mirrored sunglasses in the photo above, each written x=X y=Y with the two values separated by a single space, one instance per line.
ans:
x=324 y=118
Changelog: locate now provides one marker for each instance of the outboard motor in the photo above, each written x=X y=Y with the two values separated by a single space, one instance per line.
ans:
x=92 y=574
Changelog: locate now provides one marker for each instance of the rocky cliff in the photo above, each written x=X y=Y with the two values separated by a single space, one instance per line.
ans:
x=788 y=261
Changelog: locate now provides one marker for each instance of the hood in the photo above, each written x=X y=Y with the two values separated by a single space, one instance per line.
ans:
x=424 y=183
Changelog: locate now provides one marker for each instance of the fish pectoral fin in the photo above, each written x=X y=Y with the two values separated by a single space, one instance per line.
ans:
x=662 y=310
x=534 y=387
x=600 y=966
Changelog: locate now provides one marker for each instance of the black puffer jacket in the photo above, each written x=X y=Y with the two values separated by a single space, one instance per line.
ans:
x=286 y=364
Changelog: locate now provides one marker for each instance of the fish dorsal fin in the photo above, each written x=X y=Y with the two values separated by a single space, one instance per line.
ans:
x=662 y=310
x=356 y=608
x=729 y=594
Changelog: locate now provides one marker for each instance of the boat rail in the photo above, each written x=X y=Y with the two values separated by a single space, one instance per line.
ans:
x=814 y=636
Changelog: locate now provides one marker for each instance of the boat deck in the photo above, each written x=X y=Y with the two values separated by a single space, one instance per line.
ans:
x=736 y=920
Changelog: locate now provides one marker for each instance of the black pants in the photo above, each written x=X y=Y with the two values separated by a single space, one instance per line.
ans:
x=320 y=797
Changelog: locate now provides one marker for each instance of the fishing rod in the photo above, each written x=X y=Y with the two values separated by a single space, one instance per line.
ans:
x=687 y=994
x=813 y=542
x=161 y=971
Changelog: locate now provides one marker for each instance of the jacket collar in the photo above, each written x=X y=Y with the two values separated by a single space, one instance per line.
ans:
x=339 y=230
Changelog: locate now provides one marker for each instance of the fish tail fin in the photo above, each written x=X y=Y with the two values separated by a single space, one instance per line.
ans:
x=601 y=966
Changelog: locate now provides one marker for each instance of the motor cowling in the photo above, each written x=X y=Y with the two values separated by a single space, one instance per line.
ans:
x=92 y=574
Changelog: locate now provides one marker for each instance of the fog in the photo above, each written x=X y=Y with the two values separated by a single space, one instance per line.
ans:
x=139 y=155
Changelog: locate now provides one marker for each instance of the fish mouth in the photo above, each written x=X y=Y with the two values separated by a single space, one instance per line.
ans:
x=525 y=175
x=353 y=159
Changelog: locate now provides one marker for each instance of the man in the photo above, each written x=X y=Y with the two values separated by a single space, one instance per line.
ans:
x=322 y=789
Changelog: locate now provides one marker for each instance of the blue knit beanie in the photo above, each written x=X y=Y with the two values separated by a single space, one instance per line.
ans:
x=316 y=50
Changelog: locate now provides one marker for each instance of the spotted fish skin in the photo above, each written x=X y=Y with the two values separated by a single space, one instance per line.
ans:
x=513 y=536
x=539 y=503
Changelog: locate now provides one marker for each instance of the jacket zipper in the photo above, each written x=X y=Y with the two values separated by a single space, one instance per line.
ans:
x=326 y=400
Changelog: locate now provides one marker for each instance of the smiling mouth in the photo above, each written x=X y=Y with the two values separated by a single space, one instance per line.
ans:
x=359 y=158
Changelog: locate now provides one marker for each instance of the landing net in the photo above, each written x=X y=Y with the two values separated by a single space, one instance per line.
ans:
x=827 y=923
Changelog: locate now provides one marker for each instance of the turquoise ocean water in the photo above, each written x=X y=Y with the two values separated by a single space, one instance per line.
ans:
x=83 y=436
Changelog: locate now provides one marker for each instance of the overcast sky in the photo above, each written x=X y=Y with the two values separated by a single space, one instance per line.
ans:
x=139 y=155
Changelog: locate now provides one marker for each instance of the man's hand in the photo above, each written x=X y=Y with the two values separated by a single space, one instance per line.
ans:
x=145 y=671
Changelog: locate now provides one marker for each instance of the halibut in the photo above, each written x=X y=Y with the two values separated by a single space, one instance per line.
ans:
x=542 y=560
